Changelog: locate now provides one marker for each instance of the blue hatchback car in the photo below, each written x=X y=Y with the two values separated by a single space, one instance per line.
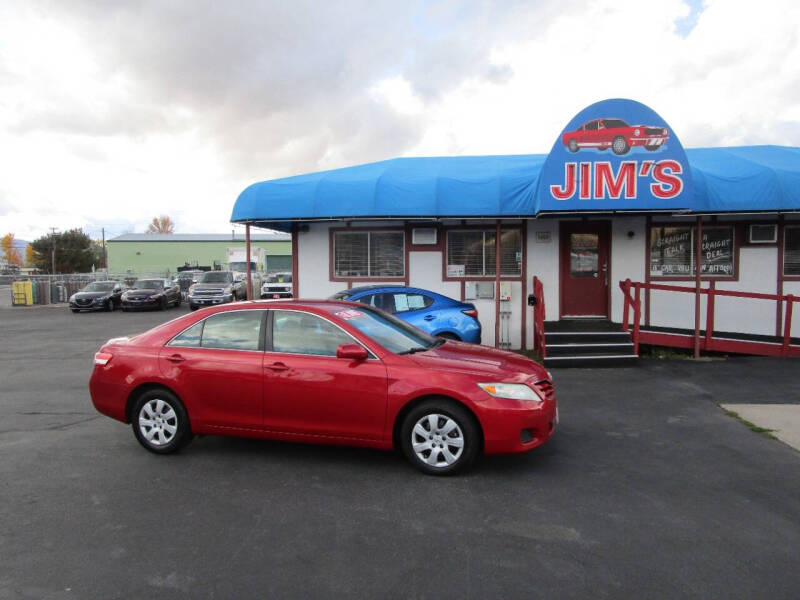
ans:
x=431 y=312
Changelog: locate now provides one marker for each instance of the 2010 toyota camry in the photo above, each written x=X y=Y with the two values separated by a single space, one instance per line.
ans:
x=330 y=372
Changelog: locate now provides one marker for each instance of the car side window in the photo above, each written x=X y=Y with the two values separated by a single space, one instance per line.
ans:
x=418 y=301
x=369 y=299
x=303 y=333
x=189 y=338
x=236 y=330
x=591 y=126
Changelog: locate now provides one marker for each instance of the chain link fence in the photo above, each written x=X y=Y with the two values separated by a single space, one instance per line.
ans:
x=56 y=289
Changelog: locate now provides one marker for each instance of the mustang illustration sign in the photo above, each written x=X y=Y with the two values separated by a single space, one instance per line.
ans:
x=645 y=170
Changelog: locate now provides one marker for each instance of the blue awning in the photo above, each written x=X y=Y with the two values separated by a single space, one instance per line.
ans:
x=738 y=179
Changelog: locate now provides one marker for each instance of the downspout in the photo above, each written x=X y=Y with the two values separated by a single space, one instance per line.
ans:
x=697 y=264
x=247 y=246
x=497 y=287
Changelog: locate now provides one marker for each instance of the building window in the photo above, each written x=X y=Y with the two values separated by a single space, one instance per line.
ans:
x=672 y=252
x=472 y=253
x=791 y=251
x=374 y=254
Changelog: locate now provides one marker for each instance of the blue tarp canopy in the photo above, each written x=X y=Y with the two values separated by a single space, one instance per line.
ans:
x=737 y=179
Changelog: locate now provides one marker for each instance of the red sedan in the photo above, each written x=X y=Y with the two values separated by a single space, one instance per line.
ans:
x=330 y=372
x=615 y=134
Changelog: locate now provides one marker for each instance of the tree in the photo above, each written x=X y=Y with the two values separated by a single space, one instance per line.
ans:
x=29 y=255
x=162 y=224
x=73 y=252
x=11 y=254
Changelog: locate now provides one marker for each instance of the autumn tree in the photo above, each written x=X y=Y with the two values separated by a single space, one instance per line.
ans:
x=73 y=252
x=30 y=254
x=161 y=224
x=11 y=254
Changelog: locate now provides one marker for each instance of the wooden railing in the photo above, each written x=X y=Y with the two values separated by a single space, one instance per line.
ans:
x=632 y=294
x=538 y=318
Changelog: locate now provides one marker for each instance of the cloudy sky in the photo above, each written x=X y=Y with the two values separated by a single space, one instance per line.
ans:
x=114 y=112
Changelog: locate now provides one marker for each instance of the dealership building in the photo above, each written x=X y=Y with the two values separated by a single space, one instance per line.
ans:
x=151 y=253
x=604 y=228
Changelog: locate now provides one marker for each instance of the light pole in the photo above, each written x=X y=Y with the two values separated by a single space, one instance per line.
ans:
x=53 y=236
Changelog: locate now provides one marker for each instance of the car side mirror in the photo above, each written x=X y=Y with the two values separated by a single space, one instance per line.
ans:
x=351 y=351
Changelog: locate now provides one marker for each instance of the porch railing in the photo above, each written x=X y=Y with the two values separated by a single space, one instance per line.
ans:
x=632 y=294
x=538 y=318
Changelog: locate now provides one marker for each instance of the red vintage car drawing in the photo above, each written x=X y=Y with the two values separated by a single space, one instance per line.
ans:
x=615 y=134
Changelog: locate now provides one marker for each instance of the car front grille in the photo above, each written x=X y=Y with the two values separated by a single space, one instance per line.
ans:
x=83 y=301
x=275 y=290
x=653 y=131
x=546 y=387
x=208 y=293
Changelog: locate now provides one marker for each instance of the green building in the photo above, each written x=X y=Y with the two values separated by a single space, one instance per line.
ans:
x=152 y=253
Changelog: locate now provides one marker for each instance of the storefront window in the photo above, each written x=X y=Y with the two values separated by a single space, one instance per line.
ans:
x=791 y=251
x=672 y=252
x=369 y=254
x=472 y=253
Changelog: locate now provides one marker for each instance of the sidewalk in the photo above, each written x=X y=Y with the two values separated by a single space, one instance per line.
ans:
x=782 y=419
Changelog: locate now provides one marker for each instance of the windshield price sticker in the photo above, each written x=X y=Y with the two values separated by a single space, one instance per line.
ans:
x=348 y=314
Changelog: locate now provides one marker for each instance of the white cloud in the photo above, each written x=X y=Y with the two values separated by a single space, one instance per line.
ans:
x=111 y=113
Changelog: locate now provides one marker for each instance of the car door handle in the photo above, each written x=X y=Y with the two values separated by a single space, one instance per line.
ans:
x=175 y=358
x=429 y=317
x=278 y=366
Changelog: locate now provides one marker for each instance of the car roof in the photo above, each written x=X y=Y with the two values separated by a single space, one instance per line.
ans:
x=372 y=288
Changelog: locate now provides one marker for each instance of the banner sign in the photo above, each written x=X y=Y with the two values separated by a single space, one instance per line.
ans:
x=615 y=155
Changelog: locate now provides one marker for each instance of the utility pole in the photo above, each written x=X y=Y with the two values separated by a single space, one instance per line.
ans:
x=105 y=256
x=53 y=236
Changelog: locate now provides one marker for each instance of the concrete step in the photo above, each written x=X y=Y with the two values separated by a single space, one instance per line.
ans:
x=580 y=349
x=592 y=360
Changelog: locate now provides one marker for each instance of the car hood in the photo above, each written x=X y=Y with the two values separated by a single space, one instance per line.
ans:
x=211 y=286
x=143 y=292
x=91 y=295
x=480 y=360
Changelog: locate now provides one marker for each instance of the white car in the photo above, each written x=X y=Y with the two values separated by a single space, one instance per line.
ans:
x=277 y=285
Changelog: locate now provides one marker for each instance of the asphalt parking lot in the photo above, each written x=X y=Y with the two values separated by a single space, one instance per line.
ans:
x=647 y=490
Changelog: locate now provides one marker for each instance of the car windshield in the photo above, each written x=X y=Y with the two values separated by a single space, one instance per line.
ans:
x=148 y=284
x=279 y=278
x=216 y=277
x=614 y=123
x=395 y=335
x=100 y=286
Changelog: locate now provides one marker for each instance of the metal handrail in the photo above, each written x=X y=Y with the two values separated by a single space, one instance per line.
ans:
x=538 y=318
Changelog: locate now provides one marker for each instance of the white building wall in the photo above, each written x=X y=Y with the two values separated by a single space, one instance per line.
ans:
x=757 y=273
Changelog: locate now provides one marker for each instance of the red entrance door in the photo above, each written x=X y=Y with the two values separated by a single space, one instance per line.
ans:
x=584 y=269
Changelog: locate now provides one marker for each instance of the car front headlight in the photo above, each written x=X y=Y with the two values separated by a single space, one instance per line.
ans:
x=635 y=132
x=512 y=391
x=190 y=291
x=154 y=296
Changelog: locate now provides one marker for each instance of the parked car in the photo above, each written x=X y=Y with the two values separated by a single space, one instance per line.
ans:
x=323 y=371
x=615 y=134
x=436 y=314
x=277 y=285
x=152 y=293
x=217 y=287
x=185 y=279
x=98 y=295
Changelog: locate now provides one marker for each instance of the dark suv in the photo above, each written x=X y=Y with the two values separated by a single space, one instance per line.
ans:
x=217 y=287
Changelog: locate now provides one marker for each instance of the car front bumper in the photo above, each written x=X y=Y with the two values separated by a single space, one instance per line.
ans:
x=209 y=300
x=95 y=305
x=512 y=426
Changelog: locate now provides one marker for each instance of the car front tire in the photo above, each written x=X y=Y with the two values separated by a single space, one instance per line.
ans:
x=440 y=437
x=620 y=145
x=573 y=146
x=160 y=422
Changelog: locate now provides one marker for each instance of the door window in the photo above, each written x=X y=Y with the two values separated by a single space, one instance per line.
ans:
x=583 y=254
x=303 y=333
x=238 y=330
x=189 y=338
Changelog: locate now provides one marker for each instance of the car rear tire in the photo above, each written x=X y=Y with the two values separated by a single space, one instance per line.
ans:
x=160 y=422
x=573 y=146
x=440 y=437
x=620 y=145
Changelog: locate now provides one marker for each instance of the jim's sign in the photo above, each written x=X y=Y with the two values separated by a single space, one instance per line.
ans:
x=615 y=155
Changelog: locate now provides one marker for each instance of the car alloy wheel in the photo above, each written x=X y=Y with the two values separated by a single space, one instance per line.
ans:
x=437 y=440
x=160 y=422
x=619 y=145
x=440 y=437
